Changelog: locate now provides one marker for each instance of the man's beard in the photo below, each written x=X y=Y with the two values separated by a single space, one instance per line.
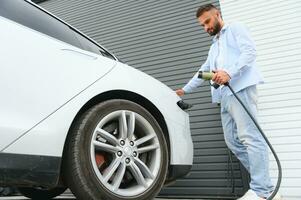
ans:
x=216 y=29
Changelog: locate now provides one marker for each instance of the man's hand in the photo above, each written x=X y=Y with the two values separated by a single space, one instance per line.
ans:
x=220 y=77
x=180 y=92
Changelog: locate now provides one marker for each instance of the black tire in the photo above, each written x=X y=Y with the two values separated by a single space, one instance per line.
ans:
x=39 y=194
x=78 y=171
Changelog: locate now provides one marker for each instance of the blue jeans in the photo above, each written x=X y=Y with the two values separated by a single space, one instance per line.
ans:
x=244 y=140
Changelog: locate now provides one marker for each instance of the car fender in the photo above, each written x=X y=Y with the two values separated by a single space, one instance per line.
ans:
x=48 y=137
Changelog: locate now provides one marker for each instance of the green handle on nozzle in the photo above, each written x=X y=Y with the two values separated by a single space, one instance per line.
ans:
x=205 y=75
x=208 y=76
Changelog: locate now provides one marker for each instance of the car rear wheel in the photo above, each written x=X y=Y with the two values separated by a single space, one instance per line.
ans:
x=116 y=151
x=39 y=194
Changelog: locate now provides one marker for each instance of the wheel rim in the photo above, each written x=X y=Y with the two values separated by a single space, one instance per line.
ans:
x=130 y=150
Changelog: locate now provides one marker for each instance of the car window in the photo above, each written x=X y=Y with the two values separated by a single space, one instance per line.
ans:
x=26 y=14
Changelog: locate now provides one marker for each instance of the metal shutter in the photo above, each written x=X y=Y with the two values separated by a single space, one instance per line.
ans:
x=275 y=26
x=163 y=39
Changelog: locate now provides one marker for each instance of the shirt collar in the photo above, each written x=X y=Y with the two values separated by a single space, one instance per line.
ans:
x=221 y=32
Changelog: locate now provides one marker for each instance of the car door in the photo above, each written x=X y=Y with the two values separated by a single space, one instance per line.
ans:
x=39 y=72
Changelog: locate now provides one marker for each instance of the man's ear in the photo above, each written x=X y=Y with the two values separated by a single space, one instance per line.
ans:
x=218 y=14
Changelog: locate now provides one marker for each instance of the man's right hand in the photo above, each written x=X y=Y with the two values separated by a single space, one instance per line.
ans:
x=180 y=92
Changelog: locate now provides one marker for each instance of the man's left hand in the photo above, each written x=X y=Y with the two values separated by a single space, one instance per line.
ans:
x=220 y=77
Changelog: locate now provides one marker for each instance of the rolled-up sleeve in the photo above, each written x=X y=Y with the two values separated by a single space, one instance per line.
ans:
x=195 y=81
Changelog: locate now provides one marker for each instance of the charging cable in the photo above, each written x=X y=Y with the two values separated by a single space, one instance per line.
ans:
x=208 y=76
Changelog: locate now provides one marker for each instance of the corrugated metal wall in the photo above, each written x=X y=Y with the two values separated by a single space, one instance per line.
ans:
x=163 y=39
x=275 y=26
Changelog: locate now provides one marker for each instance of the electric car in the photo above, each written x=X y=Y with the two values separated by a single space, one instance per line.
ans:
x=73 y=116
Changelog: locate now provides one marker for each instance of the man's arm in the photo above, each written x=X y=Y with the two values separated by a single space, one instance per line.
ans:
x=195 y=81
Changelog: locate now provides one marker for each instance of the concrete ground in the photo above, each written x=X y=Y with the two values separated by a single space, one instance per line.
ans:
x=70 y=197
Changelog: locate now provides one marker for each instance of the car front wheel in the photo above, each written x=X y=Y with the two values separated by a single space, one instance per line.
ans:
x=116 y=151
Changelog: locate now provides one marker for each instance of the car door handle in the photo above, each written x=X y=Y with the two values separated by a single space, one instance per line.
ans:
x=75 y=52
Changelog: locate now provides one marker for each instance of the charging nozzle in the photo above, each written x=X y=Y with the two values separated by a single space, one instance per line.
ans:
x=205 y=75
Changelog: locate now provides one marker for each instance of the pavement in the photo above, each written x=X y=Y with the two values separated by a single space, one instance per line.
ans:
x=69 y=197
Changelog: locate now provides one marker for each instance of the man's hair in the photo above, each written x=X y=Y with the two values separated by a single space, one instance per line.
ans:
x=204 y=8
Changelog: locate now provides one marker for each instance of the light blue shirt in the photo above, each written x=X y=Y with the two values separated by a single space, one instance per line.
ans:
x=235 y=51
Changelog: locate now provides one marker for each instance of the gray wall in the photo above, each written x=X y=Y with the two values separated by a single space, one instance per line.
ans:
x=163 y=39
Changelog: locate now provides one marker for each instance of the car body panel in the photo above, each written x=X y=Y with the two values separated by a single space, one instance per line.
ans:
x=48 y=137
x=37 y=82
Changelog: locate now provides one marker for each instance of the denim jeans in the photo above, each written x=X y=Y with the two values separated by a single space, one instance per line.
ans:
x=244 y=140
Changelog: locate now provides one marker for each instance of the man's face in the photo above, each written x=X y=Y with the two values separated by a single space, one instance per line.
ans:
x=210 y=21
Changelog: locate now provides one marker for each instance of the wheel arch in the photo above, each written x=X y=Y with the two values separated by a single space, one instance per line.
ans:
x=126 y=95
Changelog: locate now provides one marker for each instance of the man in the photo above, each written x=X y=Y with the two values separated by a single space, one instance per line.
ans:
x=232 y=57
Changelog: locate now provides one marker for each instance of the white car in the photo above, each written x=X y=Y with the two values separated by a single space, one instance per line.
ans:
x=73 y=116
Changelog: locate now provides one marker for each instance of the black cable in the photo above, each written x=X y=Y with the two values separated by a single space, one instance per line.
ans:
x=232 y=171
x=266 y=140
